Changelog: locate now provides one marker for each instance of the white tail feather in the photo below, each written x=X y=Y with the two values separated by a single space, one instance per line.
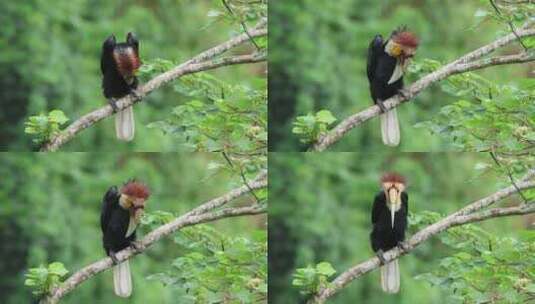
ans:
x=390 y=128
x=122 y=282
x=124 y=124
x=390 y=277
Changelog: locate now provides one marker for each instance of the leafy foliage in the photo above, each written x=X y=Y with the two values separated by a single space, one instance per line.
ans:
x=220 y=116
x=43 y=279
x=42 y=127
x=156 y=218
x=311 y=279
x=484 y=267
x=323 y=65
x=63 y=223
x=218 y=268
x=240 y=11
x=487 y=116
x=310 y=127
x=61 y=71
x=510 y=12
x=322 y=210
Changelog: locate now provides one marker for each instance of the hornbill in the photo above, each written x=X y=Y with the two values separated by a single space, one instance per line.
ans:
x=121 y=212
x=387 y=61
x=119 y=63
x=389 y=219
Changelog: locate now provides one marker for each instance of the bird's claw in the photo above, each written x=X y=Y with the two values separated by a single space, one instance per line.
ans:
x=114 y=259
x=381 y=107
x=135 y=93
x=135 y=245
x=402 y=246
x=405 y=94
x=380 y=255
x=113 y=104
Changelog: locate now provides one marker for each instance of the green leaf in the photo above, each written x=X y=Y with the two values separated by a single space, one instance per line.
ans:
x=58 y=117
x=43 y=279
x=43 y=127
x=325 y=268
x=57 y=268
x=325 y=116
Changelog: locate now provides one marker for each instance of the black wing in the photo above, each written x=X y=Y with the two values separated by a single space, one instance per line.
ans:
x=110 y=198
x=405 y=202
x=106 y=56
x=375 y=48
x=378 y=203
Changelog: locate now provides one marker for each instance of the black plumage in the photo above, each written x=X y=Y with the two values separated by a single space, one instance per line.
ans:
x=380 y=67
x=389 y=220
x=120 y=215
x=114 y=222
x=115 y=82
x=119 y=63
x=383 y=236
x=387 y=62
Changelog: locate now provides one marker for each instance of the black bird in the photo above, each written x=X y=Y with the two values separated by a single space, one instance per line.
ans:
x=389 y=219
x=387 y=61
x=119 y=63
x=119 y=217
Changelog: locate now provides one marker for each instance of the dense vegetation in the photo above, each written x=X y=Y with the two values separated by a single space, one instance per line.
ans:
x=323 y=201
x=51 y=61
x=323 y=62
x=322 y=216
x=51 y=210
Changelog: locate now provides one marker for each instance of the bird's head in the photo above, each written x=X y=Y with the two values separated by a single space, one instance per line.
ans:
x=134 y=194
x=126 y=57
x=402 y=44
x=393 y=185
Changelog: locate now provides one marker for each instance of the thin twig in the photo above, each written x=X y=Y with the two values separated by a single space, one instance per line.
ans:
x=244 y=180
x=463 y=64
x=472 y=213
x=517 y=2
x=243 y=25
x=260 y=181
x=511 y=26
x=196 y=64
x=204 y=213
x=495 y=158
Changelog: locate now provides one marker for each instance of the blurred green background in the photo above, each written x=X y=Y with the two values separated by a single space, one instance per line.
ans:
x=50 y=59
x=323 y=63
x=321 y=211
x=50 y=211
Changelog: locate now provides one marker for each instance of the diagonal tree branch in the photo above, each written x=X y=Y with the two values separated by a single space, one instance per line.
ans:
x=257 y=31
x=472 y=213
x=204 y=213
x=204 y=61
x=257 y=183
x=525 y=182
x=463 y=64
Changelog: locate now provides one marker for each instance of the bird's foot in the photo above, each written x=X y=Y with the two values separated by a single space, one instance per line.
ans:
x=113 y=104
x=402 y=246
x=380 y=255
x=135 y=245
x=113 y=258
x=135 y=93
x=381 y=106
x=405 y=94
